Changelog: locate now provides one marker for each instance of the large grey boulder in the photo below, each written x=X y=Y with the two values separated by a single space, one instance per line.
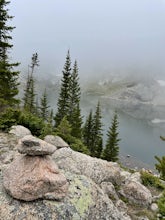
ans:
x=19 y=131
x=56 y=140
x=136 y=193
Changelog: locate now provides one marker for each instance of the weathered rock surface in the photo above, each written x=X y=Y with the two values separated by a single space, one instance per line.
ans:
x=19 y=131
x=33 y=146
x=122 y=207
x=96 y=169
x=84 y=200
x=136 y=193
x=109 y=189
x=29 y=178
x=56 y=140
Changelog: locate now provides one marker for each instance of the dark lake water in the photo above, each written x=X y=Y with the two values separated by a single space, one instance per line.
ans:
x=139 y=138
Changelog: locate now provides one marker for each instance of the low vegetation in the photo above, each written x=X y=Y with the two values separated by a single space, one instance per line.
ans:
x=161 y=204
x=149 y=179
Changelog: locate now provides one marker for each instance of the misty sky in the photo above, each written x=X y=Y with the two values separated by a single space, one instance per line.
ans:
x=103 y=35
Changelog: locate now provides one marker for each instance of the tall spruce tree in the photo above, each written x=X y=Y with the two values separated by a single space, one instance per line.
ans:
x=8 y=77
x=97 y=133
x=111 y=151
x=50 y=119
x=64 y=96
x=88 y=132
x=92 y=132
x=44 y=107
x=74 y=116
x=29 y=92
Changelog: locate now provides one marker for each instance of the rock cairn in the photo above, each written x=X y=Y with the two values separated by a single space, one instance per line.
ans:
x=33 y=174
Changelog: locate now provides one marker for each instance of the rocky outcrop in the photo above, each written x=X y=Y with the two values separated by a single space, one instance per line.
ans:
x=96 y=169
x=72 y=185
x=103 y=173
x=84 y=200
x=34 y=175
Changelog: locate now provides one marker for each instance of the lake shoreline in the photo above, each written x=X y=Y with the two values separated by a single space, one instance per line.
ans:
x=133 y=163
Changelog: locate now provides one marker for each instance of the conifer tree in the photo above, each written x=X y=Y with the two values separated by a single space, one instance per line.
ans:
x=64 y=128
x=44 y=112
x=8 y=77
x=29 y=92
x=88 y=132
x=64 y=96
x=51 y=117
x=74 y=116
x=111 y=151
x=97 y=133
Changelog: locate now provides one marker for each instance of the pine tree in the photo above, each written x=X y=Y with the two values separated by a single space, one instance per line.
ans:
x=44 y=112
x=88 y=132
x=74 y=116
x=97 y=133
x=111 y=151
x=50 y=120
x=8 y=77
x=29 y=92
x=64 y=96
x=64 y=128
x=34 y=63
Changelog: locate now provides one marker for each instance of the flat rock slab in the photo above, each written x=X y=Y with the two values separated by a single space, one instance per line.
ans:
x=30 y=178
x=33 y=146
x=56 y=140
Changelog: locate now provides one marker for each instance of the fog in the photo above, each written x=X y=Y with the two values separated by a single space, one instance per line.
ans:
x=104 y=36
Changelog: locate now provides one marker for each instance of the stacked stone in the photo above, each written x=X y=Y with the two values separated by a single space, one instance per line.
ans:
x=34 y=175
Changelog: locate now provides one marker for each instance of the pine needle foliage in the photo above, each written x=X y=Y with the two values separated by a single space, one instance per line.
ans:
x=160 y=166
x=88 y=132
x=92 y=132
x=111 y=151
x=97 y=133
x=44 y=107
x=8 y=76
x=29 y=102
x=64 y=96
x=74 y=116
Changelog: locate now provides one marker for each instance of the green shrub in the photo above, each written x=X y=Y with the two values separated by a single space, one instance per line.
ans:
x=64 y=131
x=40 y=128
x=32 y=122
x=17 y=117
x=47 y=130
x=150 y=180
x=161 y=205
x=160 y=166
x=8 y=118
x=77 y=145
